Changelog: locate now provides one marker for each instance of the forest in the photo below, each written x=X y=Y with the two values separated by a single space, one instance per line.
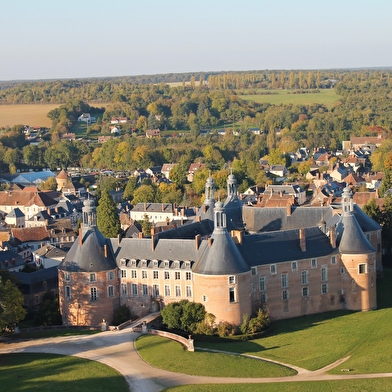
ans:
x=194 y=103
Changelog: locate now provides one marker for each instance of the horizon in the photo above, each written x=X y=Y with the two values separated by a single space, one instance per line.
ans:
x=94 y=39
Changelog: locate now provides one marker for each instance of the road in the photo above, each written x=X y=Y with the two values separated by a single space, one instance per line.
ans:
x=117 y=350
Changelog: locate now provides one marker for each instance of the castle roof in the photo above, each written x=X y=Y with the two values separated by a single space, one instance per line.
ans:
x=89 y=255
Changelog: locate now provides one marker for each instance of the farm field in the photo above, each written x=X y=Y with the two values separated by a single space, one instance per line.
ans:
x=33 y=115
x=326 y=97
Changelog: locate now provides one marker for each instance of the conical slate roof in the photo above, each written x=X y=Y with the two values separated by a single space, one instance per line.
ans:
x=350 y=237
x=89 y=256
x=222 y=257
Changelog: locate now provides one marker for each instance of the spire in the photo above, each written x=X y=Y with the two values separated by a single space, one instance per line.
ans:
x=89 y=214
x=231 y=185
x=219 y=216
x=347 y=202
x=210 y=190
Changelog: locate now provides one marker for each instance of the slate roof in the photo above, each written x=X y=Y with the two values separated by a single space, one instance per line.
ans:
x=89 y=256
x=16 y=213
x=37 y=276
x=280 y=246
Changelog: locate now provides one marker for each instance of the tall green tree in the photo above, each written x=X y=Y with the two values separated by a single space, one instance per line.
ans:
x=11 y=303
x=107 y=217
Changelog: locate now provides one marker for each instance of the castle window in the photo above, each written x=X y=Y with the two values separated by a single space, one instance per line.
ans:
x=263 y=298
x=324 y=274
x=155 y=274
x=110 y=275
x=333 y=260
x=285 y=280
x=294 y=266
x=231 y=279
x=93 y=277
x=167 y=290
x=178 y=291
x=188 y=275
x=67 y=276
x=362 y=269
x=204 y=298
x=155 y=290
x=273 y=269
x=232 y=294
x=324 y=288
x=123 y=273
x=67 y=292
x=133 y=274
x=305 y=291
x=285 y=294
x=134 y=289
x=254 y=270
x=342 y=270
x=188 y=291
x=313 y=263
x=167 y=275
x=144 y=274
x=262 y=283
x=177 y=275
x=93 y=294
x=110 y=291
x=145 y=290
x=304 y=277
x=123 y=289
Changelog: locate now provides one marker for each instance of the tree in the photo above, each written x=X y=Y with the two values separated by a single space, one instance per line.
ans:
x=183 y=315
x=130 y=189
x=146 y=226
x=11 y=303
x=373 y=210
x=49 y=184
x=107 y=218
x=48 y=312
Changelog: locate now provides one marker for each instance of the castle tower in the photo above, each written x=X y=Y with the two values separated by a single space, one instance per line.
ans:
x=88 y=281
x=207 y=209
x=358 y=259
x=62 y=178
x=221 y=275
x=233 y=205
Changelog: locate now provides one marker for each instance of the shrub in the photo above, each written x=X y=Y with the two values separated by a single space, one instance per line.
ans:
x=122 y=314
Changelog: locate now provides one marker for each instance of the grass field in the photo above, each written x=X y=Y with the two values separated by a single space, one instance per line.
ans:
x=326 y=97
x=33 y=115
x=48 y=372
x=368 y=385
x=170 y=355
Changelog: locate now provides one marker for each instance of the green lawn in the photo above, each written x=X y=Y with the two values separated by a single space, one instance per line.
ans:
x=325 y=96
x=171 y=355
x=48 y=372
x=370 y=385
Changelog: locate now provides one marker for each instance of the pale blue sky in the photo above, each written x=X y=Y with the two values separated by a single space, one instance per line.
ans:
x=50 y=39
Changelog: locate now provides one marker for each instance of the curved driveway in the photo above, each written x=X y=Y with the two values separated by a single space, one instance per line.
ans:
x=116 y=349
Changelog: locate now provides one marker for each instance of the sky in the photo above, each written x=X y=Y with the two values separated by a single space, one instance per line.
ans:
x=52 y=39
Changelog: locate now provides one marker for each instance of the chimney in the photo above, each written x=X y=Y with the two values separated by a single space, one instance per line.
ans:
x=183 y=211
x=210 y=241
x=236 y=235
x=197 y=241
x=80 y=237
x=332 y=236
x=288 y=210
x=204 y=208
x=182 y=221
x=118 y=239
x=145 y=207
x=302 y=239
x=153 y=242
x=163 y=207
x=198 y=219
x=140 y=235
x=105 y=250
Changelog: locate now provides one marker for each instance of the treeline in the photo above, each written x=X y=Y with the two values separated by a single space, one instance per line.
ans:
x=119 y=88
